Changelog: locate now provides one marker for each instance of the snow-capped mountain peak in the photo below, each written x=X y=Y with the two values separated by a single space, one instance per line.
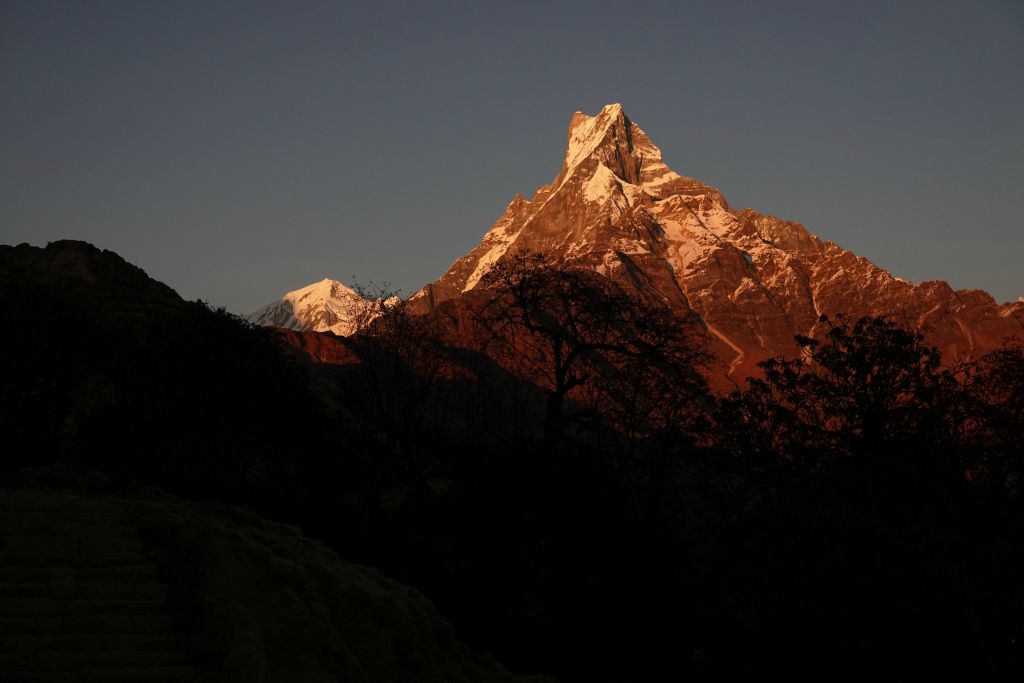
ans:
x=756 y=281
x=587 y=132
x=324 y=306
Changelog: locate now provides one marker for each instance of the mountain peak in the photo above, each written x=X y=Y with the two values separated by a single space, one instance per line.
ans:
x=587 y=133
x=754 y=280
x=611 y=139
x=324 y=306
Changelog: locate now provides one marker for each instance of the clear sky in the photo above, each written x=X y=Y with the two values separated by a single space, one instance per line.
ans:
x=238 y=150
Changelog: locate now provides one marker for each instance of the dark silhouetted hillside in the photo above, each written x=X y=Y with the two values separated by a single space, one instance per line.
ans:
x=551 y=472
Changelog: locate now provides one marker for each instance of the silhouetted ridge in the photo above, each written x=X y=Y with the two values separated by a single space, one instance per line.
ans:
x=71 y=269
x=541 y=456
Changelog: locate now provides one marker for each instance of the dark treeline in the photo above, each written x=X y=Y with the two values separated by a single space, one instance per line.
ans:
x=547 y=464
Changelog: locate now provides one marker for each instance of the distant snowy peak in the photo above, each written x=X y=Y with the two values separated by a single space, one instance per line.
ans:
x=325 y=306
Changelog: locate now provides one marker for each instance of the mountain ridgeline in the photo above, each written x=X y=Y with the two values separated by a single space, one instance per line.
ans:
x=635 y=434
x=325 y=306
x=755 y=281
x=542 y=456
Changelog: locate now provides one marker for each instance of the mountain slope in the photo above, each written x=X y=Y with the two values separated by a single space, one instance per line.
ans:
x=325 y=306
x=755 y=280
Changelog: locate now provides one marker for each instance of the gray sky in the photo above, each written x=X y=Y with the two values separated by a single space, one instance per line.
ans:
x=237 y=150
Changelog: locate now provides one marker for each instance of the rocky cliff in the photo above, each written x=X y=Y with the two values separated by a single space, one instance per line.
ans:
x=755 y=280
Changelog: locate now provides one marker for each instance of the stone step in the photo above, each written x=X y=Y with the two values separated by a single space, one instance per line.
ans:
x=59 y=677
x=92 y=590
x=58 y=660
x=65 y=677
x=52 y=557
x=102 y=624
x=120 y=590
x=48 y=607
x=62 y=642
x=44 y=661
x=43 y=544
x=15 y=643
x=25 y=589
x=47 y=519
x=113 y=607
x=93 y=560
x=80 y=597
x=90 y=642
x=72 y=558
x=22 y=626
x=151 y=591
x=141 y=641
x=31 y=607
x=17 y=502
x=153 y=624
x=37 y=573
x=64 y=590
x=141 y=572
x=47 y=526
x=113 y=659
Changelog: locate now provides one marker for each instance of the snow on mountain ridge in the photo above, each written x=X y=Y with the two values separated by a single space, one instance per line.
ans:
x=324 y=306
x=756 y=281
x=586 y=132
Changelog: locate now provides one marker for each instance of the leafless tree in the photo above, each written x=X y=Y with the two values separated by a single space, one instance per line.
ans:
x=586 y=338
x=403 y=359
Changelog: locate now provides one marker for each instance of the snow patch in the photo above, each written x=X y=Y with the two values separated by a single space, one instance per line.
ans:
x=604 y=187
x=587 y=135
x=600 y=186
x=499 y=239
x=485 y=263
x=631 y=247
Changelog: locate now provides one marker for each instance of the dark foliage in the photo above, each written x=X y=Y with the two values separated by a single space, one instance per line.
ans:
x=564 y=488
x=868 y=551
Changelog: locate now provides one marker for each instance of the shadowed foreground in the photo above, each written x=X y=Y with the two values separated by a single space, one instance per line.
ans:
x=543 y=461
x=98 y=585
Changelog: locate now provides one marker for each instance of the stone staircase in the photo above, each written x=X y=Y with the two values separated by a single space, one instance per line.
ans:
x=80 y=598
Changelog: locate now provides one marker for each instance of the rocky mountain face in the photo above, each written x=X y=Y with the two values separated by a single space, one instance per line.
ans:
x=325 y=306
x=1014 y=309
x=755 y=280
x=311 y=347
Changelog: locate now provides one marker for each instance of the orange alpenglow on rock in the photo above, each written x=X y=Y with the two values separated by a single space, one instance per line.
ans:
x=756 y=281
